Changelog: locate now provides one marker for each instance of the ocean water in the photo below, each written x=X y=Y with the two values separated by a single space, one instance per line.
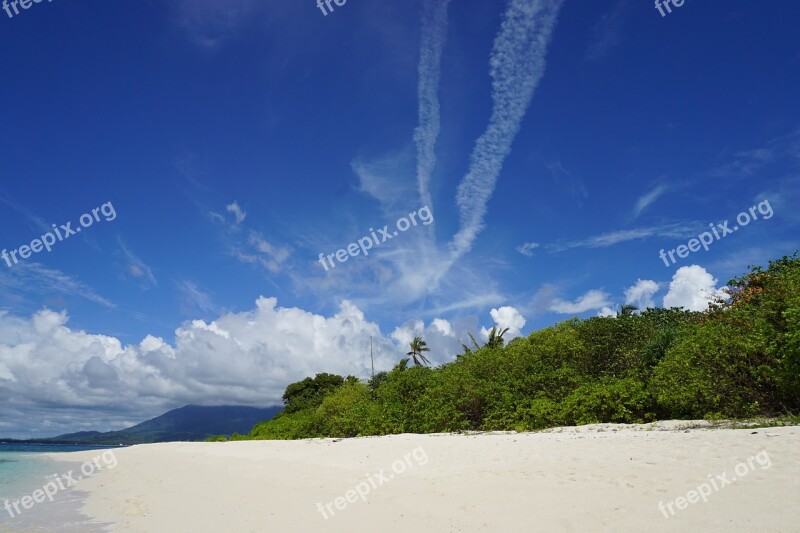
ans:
x=23 y=470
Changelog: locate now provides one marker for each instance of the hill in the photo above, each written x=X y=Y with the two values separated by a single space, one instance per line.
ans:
x=189 y=423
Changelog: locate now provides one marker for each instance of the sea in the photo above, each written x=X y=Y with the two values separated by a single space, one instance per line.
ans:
x=23 y=470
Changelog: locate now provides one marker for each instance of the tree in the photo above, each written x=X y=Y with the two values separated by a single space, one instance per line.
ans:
x=496 y=337
x=309 y=393
x=628 y=310
x=418 y=346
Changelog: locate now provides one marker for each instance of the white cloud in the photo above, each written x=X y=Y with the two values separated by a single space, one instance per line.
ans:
x=194 y=300
x=593 y=299
x=434 y=34
x=244 y=358
x=647 y=199
x=527 y=248
x=136 y=268
x=237 y=211
x=208 y=22
x=692 y=288
x=506 y=317
x=611 y=238
x=24 y=279
x=641 y=294
x=517 y=65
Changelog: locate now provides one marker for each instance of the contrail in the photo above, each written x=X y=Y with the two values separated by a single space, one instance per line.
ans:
x=517 y=64
x=434 y=35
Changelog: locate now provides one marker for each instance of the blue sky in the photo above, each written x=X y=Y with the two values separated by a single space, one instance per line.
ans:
x=559 y=146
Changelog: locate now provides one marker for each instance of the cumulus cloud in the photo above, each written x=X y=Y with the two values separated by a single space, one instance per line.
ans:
x=244 y=358
x=506 y=317
x=692 y=288
x=641 y=294
x=593 y=299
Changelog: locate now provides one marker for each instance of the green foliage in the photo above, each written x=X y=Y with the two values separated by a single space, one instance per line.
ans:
x=309 y=393
x=608 y=400
x=741 y=358
x=287 y=426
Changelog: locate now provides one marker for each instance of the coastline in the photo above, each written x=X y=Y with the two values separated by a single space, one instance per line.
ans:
x=602 y=477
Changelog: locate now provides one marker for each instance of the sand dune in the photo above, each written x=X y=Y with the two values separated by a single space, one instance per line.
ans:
x=594 y=478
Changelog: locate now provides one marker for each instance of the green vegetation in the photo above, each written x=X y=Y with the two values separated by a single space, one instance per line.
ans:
x=739 y=359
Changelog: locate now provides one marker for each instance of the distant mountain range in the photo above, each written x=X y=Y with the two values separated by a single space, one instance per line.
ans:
x=189 y=423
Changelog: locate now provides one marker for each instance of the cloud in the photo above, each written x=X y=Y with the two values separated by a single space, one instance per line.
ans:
x=506 y=317
x=382 y=178
x=692 y=288
x=250 y=246
x=136 y=268
x=209 y=22
x=612 y=238
x=517 y=65
x=641 y=294
x=194 y=300
x=646 y=200
x=527 y=248
x=576 y=188
x=237 y=211
x=37 y=221
x=244 y=358
x=606 y=33
x=593 y=299
x=434 y=35
x=24 y=279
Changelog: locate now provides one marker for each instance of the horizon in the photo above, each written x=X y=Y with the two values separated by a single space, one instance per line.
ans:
x=184 y=183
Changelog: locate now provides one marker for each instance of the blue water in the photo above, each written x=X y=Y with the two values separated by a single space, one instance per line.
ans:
x=22 y=471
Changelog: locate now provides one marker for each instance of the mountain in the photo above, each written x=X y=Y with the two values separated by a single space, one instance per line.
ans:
x=189 y=423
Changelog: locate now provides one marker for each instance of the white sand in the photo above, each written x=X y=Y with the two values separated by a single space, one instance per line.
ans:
x=593 y=478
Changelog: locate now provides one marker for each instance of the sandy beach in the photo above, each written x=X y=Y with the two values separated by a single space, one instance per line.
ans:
x=602 y=477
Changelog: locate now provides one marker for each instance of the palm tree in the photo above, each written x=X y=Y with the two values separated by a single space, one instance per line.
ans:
x=467 y=349
x=496 y=337
x=418 y=346
x=627 y=310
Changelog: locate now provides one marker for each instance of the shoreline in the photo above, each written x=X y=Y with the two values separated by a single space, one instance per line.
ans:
x=601 y=476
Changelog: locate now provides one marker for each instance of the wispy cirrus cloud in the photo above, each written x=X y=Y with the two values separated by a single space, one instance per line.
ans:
x=248 y=245
x=517 y=66
x=136 y=268
x=434 y=35
x=37 y=221
x=647 y=199
x=607 y=33
x=527 y=248
x=193 y=299
x=612 y=238
x=34 y=278
x=208 y=22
